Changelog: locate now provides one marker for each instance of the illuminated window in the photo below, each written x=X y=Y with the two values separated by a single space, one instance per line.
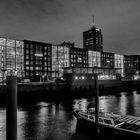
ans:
x=45 y=63
x=27 y=62
x=11 y=55
x=119 y=63
x=83 y=77
x=27 y=67
x=27 y=56
x=60 y=58
x=94 y=59
x=79 y=59
x=76 y=78
x=31 y=68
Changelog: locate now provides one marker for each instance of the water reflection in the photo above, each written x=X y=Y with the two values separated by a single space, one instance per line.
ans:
x=136 y=100
x=2 y=124
x=123 y=104
x=55 y=121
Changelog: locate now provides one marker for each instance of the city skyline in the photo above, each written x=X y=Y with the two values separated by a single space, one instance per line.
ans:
x=55 y=21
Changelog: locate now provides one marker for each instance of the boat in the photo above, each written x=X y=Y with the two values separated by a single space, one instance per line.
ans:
x=110 y=123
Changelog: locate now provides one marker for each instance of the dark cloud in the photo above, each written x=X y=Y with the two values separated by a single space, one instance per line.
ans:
x=57 y=20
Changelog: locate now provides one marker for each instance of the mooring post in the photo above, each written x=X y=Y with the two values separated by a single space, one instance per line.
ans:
x=96 y=103
x=11 y=108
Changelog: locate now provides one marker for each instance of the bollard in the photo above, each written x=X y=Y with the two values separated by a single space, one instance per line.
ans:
x=11 y=108
x=96 y=103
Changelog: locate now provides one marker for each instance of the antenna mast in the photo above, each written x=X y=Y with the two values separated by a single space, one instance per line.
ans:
x=93 y=21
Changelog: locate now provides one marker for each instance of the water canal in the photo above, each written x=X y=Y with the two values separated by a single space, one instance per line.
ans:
x=55 y=121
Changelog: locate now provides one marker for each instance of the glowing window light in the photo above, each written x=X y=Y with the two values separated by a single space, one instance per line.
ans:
x=2 y=41
x=19 y=43
x=76 y=78
x=11 y=53
x=10 y=42
x=83 y=77
x=39 y=55
x=97 y=29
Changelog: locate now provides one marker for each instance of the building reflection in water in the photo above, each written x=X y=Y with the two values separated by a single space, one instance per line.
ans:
x=135 y=103
x=51 y=122
x=123 y=104
x=2 y=124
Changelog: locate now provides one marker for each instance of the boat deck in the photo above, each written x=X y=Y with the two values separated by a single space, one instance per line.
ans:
x=131 y=127
x=128 y=119
x=132 y=123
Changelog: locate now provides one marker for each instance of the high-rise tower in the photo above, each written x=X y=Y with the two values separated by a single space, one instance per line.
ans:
x=93 y=39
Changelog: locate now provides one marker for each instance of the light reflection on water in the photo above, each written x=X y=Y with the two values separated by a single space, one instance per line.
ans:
x=2 y=124
x=53 y=121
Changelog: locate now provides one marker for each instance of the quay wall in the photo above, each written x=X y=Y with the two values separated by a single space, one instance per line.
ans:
x=35 y=92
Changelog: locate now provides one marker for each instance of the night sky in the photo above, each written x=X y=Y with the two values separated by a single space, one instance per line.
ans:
x=55 y=21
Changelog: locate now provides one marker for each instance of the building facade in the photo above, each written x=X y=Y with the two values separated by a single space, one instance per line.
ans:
x=11 y=58
x=119 y=64
x=77 y=77
x=94 y=59
x=37 y=60
x=136 y=65
x=66 y=55
x=107 y=60
x=136 y=62
x=78 y=57
x=93 y=39
x=129 y=69
x=60 y=59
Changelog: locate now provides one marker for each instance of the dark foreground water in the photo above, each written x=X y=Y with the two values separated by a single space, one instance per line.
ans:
x=55 y=121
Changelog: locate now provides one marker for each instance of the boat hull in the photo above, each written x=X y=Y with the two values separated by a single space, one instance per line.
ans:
x=104 y=130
